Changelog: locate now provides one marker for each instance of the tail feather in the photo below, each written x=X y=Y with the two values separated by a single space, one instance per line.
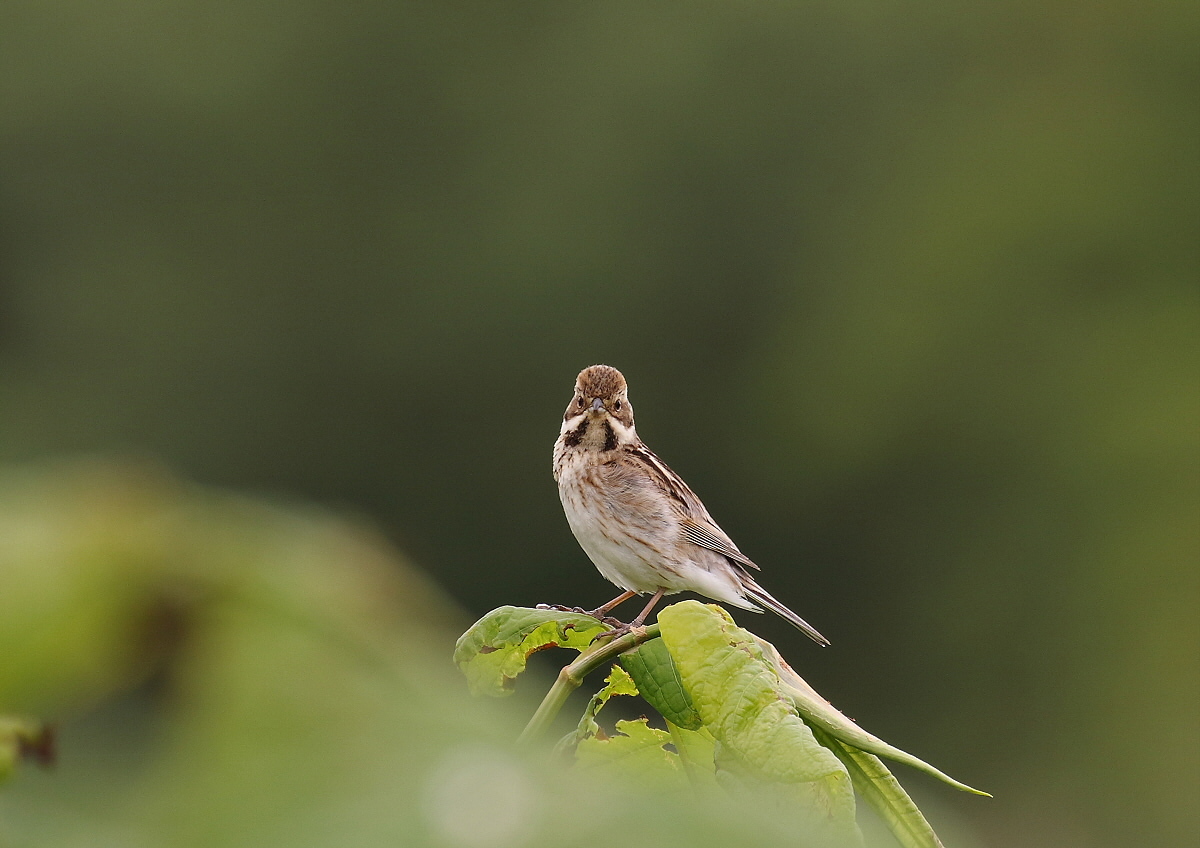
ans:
x=762 y=596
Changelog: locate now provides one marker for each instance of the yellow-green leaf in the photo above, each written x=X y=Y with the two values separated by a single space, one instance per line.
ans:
x=493 y=652
x=764 y=750
x=636 y=752
x=618 y=682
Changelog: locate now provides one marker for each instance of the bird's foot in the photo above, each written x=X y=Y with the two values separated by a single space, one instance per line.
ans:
x=620 y=628
x=597 y=614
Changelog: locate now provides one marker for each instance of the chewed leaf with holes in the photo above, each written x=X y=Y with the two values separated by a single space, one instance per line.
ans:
x=493 y=652
x=637 y=752
x=618 y=682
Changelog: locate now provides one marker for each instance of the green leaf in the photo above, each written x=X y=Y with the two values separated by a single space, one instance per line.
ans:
x=636 y=753
x=618 y=682
x=763 y=750
x=697 y=754
x=737 y=695
x=693 y=748
x=820 y=713
x=658 y=680
x=876 y=784
x=493 y=652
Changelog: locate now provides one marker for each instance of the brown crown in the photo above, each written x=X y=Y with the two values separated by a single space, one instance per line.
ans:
x=600 y=381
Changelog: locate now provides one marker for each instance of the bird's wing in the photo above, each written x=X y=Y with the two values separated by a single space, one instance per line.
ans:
x=711 y=536
x=696 y=524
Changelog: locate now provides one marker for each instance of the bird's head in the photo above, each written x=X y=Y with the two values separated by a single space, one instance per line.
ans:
x=600 y=404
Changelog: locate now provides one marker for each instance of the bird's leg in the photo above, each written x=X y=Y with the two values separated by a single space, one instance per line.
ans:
x=637 y=622
x=602 y=610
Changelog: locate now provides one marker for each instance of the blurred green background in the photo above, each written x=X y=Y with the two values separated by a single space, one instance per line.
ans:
x=907 y=293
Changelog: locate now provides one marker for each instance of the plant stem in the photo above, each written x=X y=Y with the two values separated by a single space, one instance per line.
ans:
x=569 y=678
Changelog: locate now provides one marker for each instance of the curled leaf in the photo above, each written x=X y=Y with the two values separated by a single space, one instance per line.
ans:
x=494 y=651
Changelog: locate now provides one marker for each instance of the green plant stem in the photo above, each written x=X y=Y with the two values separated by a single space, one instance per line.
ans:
x=569 y=678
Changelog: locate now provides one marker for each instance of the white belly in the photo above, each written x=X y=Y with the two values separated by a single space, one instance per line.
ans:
x=621 y=559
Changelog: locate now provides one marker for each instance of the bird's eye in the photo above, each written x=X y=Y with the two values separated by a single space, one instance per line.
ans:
x=617 y=405
x=579 y=401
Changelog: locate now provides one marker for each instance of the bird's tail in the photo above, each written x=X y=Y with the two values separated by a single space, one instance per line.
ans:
x=762 y=596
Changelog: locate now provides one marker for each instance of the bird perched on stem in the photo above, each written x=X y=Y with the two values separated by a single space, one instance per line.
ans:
x=641 y=525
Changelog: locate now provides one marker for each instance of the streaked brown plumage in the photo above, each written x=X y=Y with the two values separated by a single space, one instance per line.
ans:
x=640 y=524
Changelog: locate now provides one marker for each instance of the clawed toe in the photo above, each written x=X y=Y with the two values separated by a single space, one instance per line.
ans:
x=620 y=628
x=597 y=614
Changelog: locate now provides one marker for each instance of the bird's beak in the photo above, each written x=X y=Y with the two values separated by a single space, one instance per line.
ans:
x=597 y=405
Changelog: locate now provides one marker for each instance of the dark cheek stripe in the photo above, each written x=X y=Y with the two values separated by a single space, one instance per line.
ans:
x=573 y=438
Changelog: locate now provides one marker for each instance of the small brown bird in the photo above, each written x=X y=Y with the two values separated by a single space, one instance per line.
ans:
x=641 y=525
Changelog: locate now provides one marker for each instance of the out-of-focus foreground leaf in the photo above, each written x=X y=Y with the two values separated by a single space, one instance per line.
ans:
x=23 y=739
x=268 y=665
